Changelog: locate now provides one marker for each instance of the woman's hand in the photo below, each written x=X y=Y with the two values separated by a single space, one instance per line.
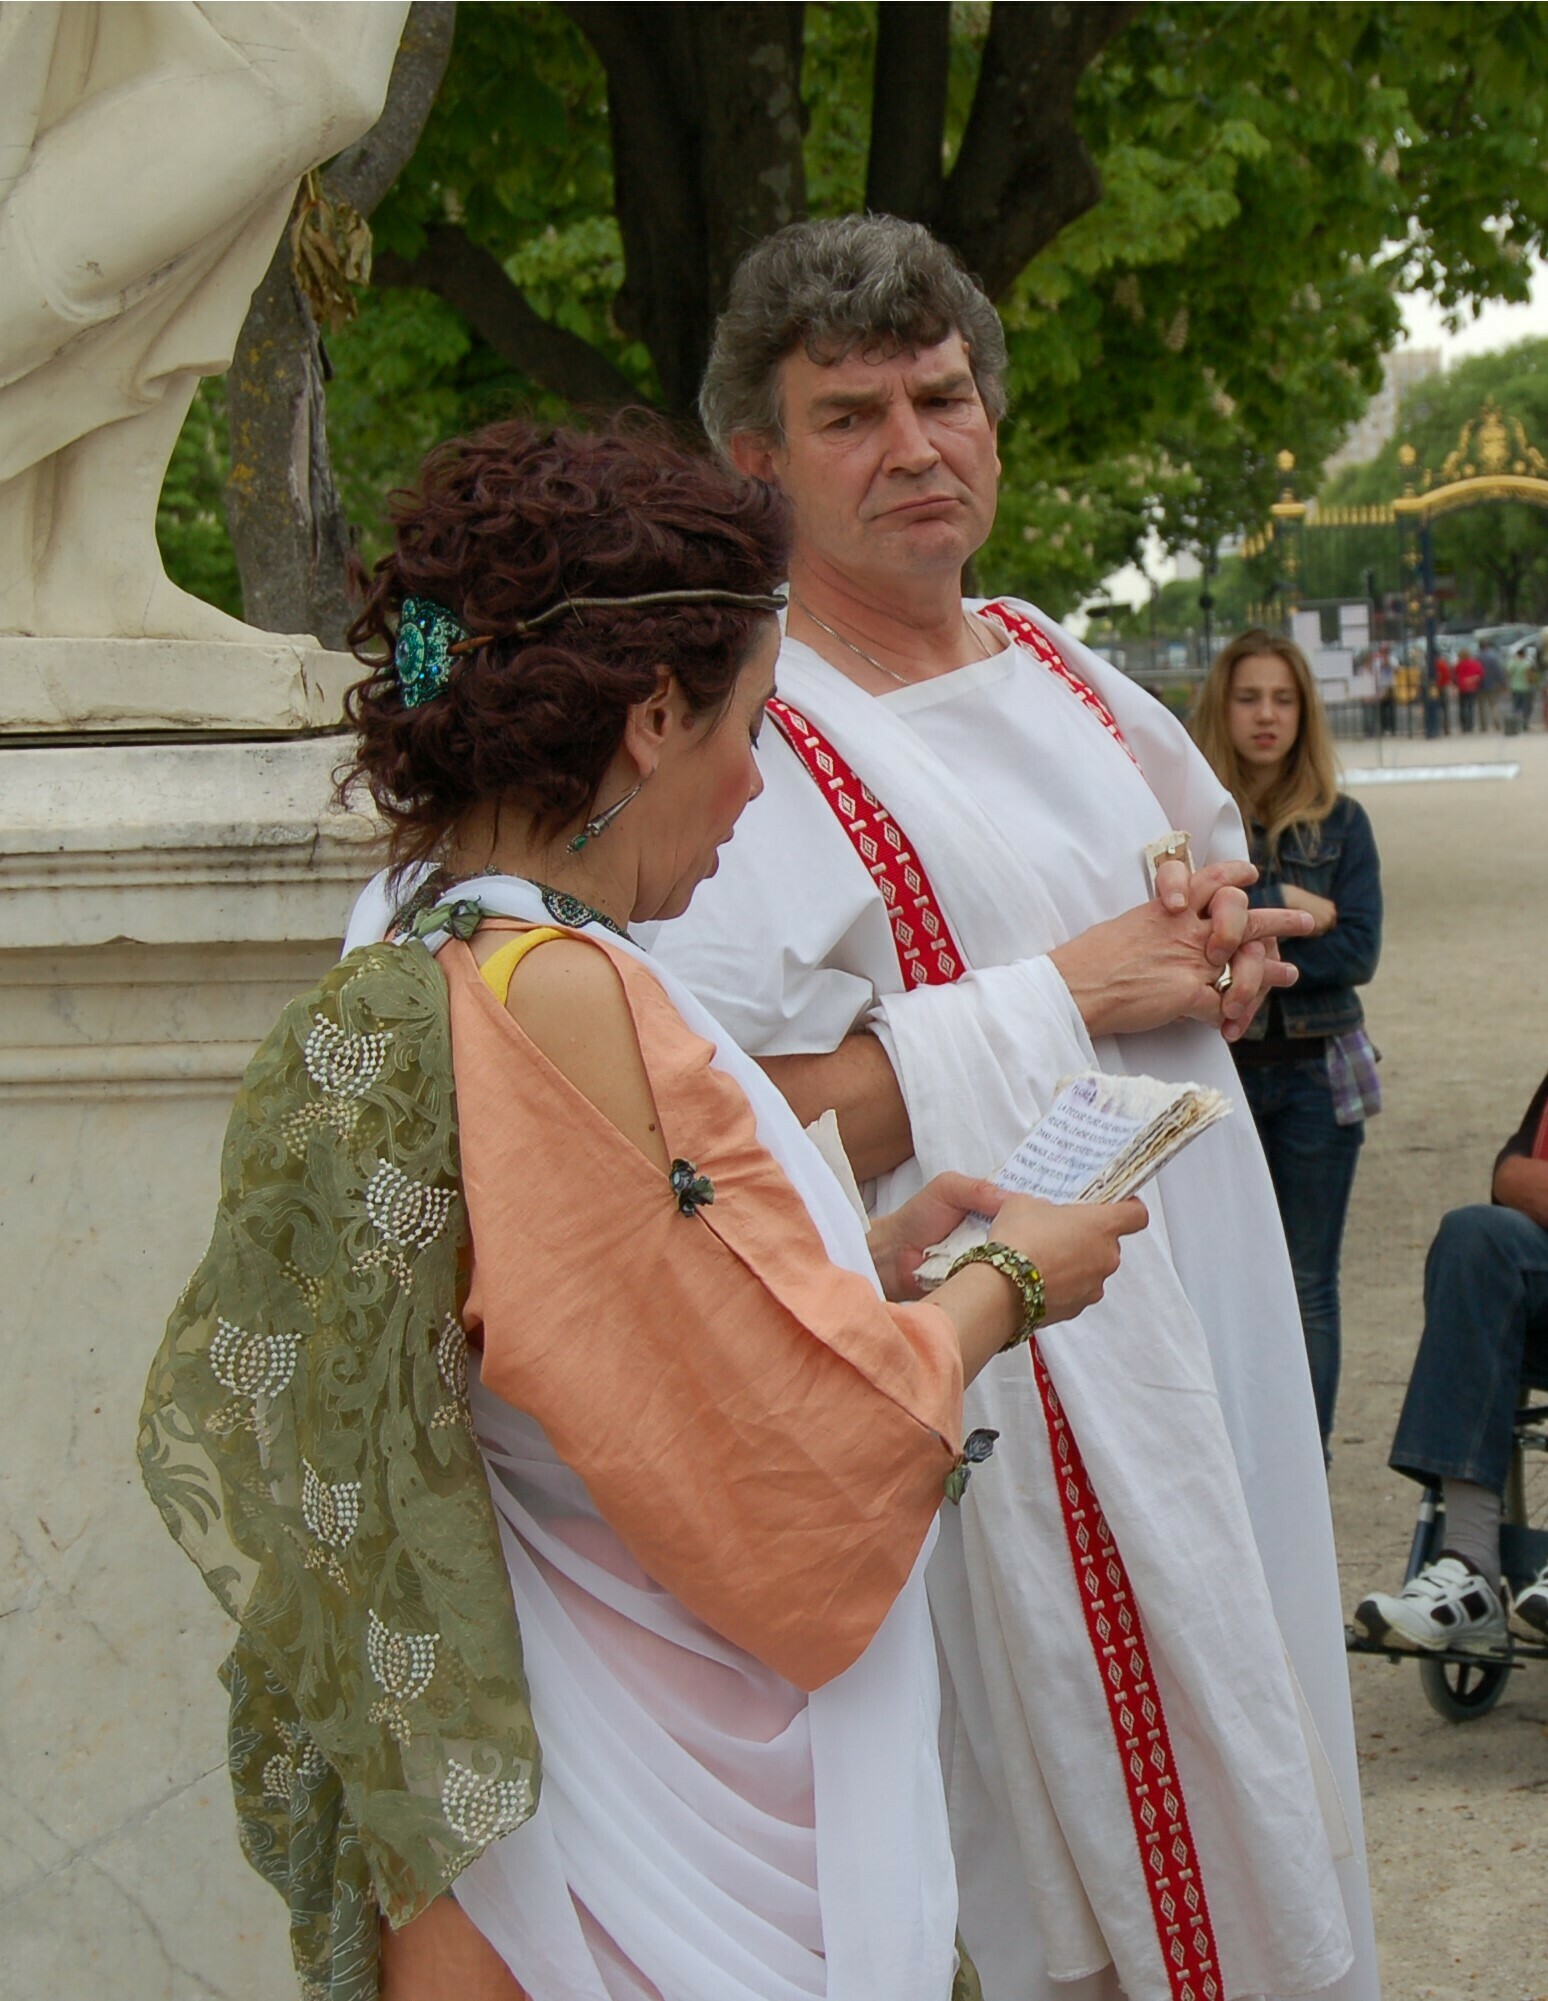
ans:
x=1156 y=964
x=1075 y=1245
x=1324 y=912
x=899 y=1240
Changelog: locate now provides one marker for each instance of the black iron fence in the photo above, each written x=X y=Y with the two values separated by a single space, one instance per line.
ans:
x=1403 y=712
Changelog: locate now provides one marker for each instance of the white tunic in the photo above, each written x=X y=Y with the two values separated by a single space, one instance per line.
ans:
x=705 y=1831
x=1030 y=821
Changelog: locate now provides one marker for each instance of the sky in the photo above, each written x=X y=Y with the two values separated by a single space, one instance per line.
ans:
x=1497 y=326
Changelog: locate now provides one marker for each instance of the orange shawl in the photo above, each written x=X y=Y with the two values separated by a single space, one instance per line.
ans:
x=767 y=1436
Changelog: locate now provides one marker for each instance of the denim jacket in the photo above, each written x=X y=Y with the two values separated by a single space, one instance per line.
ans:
x=1340 y=864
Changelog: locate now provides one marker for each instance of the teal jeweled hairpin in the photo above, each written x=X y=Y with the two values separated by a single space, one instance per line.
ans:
x=428 y=636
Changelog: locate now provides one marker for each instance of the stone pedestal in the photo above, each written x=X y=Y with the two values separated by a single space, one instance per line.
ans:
x=159 y=901
x=116 y=687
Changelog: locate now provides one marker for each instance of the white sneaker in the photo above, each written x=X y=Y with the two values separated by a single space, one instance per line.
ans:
x=1446 y=1606
x=1529 y=1612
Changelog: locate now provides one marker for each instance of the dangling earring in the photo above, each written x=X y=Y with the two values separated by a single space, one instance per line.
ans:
x=600 y=824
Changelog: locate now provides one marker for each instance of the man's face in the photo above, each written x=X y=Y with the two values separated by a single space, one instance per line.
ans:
x=888 y=461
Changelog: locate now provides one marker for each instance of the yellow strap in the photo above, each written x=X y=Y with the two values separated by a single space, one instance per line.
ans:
x=499 y=968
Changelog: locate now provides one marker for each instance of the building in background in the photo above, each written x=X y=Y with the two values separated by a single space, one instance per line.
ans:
x=1404 y=369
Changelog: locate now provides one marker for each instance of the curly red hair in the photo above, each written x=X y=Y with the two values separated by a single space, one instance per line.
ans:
x=503 y=525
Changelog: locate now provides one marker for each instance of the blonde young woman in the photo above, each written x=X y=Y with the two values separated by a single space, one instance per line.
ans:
x=1306 y=1063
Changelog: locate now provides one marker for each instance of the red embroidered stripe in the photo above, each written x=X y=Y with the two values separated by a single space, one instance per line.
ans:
x=928 y=956
x=927 y=952
x=1168 y=1856
x=1028 y=633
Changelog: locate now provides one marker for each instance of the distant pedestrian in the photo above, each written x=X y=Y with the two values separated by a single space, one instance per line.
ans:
x=1494 y=684
x=1437 y=721
x=1387 y=691
x=1518 y=676
x=1469 y=676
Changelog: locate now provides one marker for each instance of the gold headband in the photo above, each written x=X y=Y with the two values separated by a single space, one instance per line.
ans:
x=743 y=600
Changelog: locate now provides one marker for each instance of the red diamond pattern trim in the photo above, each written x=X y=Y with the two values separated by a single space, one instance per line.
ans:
x=1168 y=1857
x=927 y=952
x=1028 y=633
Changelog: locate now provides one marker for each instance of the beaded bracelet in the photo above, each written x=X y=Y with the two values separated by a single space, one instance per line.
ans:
x=1021 y=1272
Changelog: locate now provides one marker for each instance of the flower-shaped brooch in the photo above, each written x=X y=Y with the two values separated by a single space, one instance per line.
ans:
x=693 y=1190
x=976 y=1448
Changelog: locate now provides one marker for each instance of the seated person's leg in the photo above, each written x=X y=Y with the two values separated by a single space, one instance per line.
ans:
x=1486 y=1272
x=1529 y=1614
x=1485 y=1293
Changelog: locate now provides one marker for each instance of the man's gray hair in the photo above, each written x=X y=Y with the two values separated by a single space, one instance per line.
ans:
x=859 y=282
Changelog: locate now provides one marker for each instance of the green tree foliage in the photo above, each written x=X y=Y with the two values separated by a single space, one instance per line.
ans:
x=191 y=518
x=1274 y=177
x=1198 y=234
x=1176 y=609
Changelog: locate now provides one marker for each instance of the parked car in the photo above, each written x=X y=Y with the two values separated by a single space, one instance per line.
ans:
x=1506 y=637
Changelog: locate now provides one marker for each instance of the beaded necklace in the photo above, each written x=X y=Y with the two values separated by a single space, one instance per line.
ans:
x=562 y=906
x=571 y=912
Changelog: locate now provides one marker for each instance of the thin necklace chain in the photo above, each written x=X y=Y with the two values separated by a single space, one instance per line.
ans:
x=870 y=658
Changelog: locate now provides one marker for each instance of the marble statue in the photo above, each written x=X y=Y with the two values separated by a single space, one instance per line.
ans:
x=149 y=156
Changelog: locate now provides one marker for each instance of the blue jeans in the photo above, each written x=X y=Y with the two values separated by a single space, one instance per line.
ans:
x=1485 y=1327
x=1312 y=1159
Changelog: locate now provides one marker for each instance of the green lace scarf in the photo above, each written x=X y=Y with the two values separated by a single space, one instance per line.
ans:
x=306 y=1437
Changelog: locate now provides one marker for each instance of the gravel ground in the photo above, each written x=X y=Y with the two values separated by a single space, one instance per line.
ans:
x=1456 y=1815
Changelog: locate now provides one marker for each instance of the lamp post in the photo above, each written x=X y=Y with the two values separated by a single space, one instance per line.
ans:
x=1418 y=576
x=1411 y=508
x=1290 y=513
x=1432 y=694
x=1207 y=599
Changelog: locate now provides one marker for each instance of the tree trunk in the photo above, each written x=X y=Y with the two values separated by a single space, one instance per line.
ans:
x=1508 y=572
x=752 y=122
x=473 y=280
x=705 y=106
x=287 y=525
x=1023 y=172
x=905 y=174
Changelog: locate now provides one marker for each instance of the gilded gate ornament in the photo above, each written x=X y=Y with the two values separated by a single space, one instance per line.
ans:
x=1492 y=443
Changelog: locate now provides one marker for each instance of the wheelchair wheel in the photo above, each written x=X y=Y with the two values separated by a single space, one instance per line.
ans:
x=1462 y=1691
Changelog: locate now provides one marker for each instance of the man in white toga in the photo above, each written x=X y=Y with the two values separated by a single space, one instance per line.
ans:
x=937 y=910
